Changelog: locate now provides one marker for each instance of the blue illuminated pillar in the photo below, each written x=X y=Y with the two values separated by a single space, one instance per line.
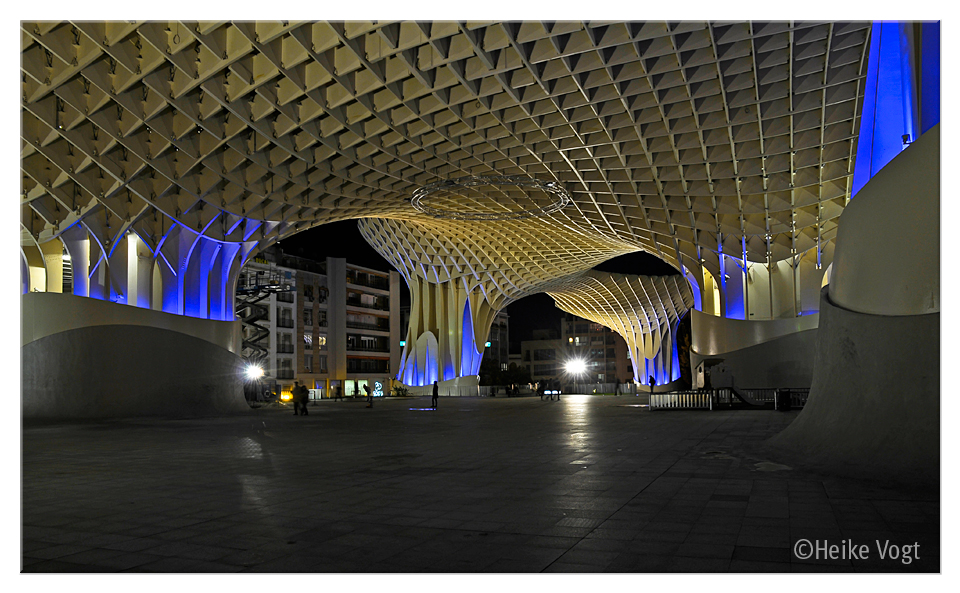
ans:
x=901 y=94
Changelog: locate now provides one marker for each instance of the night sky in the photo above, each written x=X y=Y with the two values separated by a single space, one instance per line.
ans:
x=343 y=239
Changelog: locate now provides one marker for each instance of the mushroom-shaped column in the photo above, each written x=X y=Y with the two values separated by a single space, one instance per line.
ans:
x=461 y=274
x=644 y=310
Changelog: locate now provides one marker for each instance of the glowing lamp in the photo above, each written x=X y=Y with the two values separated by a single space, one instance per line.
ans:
x=576 y=366
x=254 y=372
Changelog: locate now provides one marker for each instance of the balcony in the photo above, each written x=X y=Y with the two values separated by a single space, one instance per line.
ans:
x=284 y=348
x=380 y=348
x=285 y=374
x=378 y=305
x=285 y=323
x=369 y=280
x=368 y=366
x=380 y=327
x=285 y=297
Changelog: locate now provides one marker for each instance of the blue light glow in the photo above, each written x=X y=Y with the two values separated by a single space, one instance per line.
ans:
x=892 y=110
x=470 y=356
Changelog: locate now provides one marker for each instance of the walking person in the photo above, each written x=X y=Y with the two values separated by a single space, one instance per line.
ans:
x=616 y=390
x=436 y=394
x=369 y=396
x=339 y=393
x=653 y=383
x=304 y=398
x=295 y=396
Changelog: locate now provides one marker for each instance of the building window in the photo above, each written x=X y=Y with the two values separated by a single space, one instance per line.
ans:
x=545 y=354
x=285 y=345
x=308 y=341
x=544 y=369
x=308 y=317
x=308 y=363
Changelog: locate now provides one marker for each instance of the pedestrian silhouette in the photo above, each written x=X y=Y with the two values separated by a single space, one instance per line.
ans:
x=436 y=394
x=295 y=396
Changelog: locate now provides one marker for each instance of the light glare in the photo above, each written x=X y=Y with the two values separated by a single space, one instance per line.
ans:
x=254 y=372
x=576 y=366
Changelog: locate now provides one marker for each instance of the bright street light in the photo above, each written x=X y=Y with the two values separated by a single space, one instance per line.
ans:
x=576 y=366
x=254 y=372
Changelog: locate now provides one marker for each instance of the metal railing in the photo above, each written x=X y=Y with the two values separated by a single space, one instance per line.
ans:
x=362 y=325
x=285 y=297
x=384 y=349
x=377 y=282
x=682 y=400
x=378 y=305
x=284 y=348
x=285 y=323
x=712 y=399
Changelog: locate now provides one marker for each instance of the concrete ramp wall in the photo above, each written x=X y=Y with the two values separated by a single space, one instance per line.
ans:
x=757 y=353
x=85 y=358
x=785 y=361
x=874 y=406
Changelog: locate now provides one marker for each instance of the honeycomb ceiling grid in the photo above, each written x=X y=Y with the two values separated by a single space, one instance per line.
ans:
x=667 y=134
x=509 y=259
x=642 y=308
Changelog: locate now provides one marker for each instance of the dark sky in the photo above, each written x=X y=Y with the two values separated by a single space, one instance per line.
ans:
x=343 y=239
x=340 y=239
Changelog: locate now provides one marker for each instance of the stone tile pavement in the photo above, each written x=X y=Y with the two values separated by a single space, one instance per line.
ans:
x=588 y=484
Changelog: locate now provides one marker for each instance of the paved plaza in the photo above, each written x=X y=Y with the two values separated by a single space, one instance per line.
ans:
x=585 y=484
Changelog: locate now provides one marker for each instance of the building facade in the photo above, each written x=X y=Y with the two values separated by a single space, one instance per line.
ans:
x=324 y=323
x=604 y=353
x=499 y=338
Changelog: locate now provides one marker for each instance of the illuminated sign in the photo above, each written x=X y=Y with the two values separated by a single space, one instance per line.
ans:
x=377 y=389
x=403 y=343
x=487 y=345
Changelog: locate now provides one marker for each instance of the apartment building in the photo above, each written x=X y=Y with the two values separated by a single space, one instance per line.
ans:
x=499 y=338
x=603 y=351
x=326 y=323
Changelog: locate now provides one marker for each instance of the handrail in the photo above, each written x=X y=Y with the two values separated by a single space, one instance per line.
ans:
x=726 y=398
x=371 y=326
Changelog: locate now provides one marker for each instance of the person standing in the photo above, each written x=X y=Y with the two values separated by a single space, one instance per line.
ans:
x=304 y=398
x=339 y=393
x=295 y=396
x=436 y=394
x=366 y=388
x=653 y=383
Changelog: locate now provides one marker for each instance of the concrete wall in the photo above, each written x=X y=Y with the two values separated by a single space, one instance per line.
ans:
x=715 y=335
x=888 y=245
x=874 y=406
x=785 y=361
x=46 y=313
x=86 y=358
